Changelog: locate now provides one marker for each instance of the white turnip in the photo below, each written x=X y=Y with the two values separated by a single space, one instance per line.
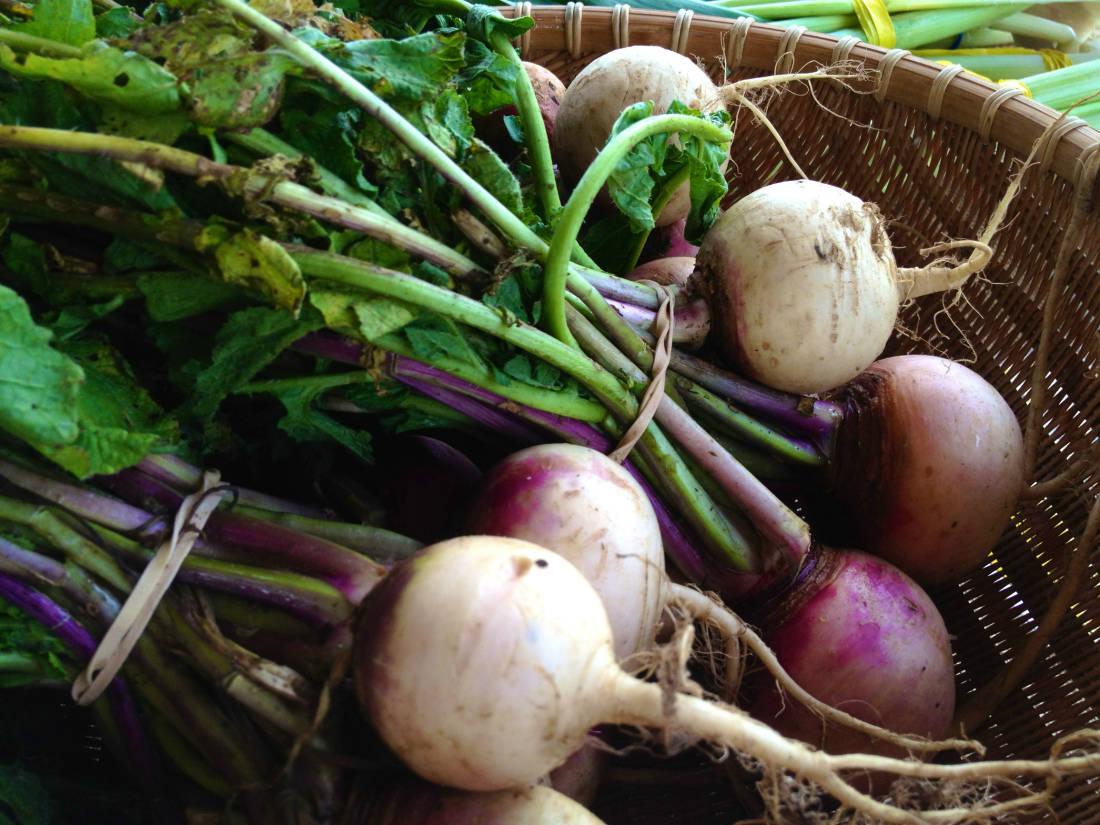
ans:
x=614 y=81
x=803 y=287
x=424 y=804
x=483 y=662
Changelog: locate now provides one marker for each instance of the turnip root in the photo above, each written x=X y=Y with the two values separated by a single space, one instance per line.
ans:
x=863 y=637
x=549 y=91
x=423 y=804
x=611 y=83
x=582 y=505
x=665 y=271
x=484 y=661
x=585 y=507
x=931 y=461
x=803 y=287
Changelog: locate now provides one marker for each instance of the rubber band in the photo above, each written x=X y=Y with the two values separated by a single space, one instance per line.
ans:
x=1054 y=59
x=664 y=324
x=874 y=19
x=148 y=591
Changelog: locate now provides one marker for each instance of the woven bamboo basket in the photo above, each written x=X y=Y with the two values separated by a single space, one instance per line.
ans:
x=934 y=148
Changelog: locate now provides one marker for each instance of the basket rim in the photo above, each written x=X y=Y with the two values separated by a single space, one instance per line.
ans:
x=956 y=96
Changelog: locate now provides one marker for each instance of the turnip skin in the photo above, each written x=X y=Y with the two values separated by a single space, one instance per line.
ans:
x=582 y=505
x=802 y=285
x=549 y=92
x=861 y=636
x=505 y=627
x=614 y=81
x=423 y=804
x=931 y=457
x=674 y=271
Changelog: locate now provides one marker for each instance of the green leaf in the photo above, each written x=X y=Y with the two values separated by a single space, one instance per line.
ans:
x=39 y=386
x=708 y=183
x=105 y=74
x=257 y=263
x=172 y=296
x=485 y=166
x=432 y=336
x=631 y=182
x=68 y=21
x=305 y=423
x=381 y=316
x=72 y=320
x=483 y=22
x=415 y=68
x=116 y=23
x=488 y=80
x=237 y=92
x=527 y=370
x=249 y=341
x=197 y=39
x=119 y=422
x=323 y=130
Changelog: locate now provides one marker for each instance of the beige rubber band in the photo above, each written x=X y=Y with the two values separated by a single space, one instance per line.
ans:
x=664 y=323
x=574 y=12
x=149 y=589
x=939 y=89
x=886 y=70
x=735 y=37
x=990 y=106
x=681 y=29
x=620 y=26
x=1048 y=143
x=784 y=64
x=523 y=9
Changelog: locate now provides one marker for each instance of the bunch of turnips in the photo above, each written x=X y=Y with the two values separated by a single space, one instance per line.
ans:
x=490 y=461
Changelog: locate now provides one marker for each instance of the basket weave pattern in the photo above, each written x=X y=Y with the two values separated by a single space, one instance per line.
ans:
x=935 y=150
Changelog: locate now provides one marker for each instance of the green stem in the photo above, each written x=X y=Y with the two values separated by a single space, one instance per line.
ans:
x=582 y=409
x=592 y=181
x=389 y=117
x=49 y=526
x=19 y=663
x=266 y=144
x=667 y=190
x=284 y=193
x=364 y=538
x=622 y=404
x=40 y=45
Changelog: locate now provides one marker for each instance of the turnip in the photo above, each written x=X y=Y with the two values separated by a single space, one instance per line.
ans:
x=611 y=83
x=549 y=91
x=862 y=637
x=484 y=661
x=423 y=804
x=802 y=283
x=931 y=460
x=581 y=504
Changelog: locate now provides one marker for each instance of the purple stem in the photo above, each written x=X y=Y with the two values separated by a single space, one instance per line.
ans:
x=350 y=572
x=330 y=347
x=178 y=474
x=489 y=417
x=139 y=753
x=692 y=321
x=683 y=550
x=817 y=420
